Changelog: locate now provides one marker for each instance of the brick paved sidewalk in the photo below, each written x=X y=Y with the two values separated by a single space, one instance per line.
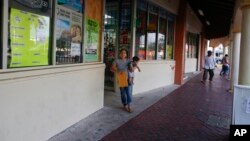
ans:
x=193 y=112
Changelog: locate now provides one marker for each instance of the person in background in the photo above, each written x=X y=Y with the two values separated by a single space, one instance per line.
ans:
x=120 y=67
x=225 y=66
x=209 y=67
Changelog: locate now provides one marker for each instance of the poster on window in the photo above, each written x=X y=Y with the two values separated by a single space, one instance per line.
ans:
x=29 y=39
x=76 y=5
x=92 y=38
x=68 y=32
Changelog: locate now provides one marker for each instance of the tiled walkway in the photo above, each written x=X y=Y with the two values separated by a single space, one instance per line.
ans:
x=193 y=112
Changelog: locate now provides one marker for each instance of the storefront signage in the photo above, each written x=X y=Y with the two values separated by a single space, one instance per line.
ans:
x=92 y=40
x=29 y=39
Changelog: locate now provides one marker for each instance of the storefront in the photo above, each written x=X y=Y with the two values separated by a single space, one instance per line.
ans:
x=51 y=61
x=54 y=55
x=117 y=34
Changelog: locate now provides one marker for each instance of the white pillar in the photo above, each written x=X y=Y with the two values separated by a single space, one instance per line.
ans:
x=244 y=69
x=230 y=50
x=235 y=59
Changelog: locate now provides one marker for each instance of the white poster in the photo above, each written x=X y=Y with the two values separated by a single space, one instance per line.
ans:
x=75 y=49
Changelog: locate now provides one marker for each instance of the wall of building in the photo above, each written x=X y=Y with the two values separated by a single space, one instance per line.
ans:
x=193 y=24
x=36 y=103
x=154 y=74
x=191 y=65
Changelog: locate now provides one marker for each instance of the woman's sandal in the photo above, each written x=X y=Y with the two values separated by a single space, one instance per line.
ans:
x=129 y=110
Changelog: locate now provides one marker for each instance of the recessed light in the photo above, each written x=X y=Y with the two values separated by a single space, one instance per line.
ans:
x=201 y=12
x=207 y=22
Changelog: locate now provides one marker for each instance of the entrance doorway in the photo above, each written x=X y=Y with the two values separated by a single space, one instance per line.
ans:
x=110 y=41
x=117 y=35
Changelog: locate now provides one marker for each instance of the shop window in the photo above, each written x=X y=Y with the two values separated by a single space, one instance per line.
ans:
x=170 y=37
x=151 y=32
x=161 y=48
x=192 y=44
x=141 y=22
x=29 y=33
x=110 y=40
x=125 y=26
x=154 y=32
x=69 y=31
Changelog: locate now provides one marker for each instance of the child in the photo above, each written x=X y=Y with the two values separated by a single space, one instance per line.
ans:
x=131 y=68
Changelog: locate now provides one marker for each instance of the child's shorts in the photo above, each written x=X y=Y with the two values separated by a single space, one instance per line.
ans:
x=131 y=74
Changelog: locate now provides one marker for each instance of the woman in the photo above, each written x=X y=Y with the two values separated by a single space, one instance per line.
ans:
x=120 y=67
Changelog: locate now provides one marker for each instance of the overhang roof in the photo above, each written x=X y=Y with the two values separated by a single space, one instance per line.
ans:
x=218 y=13
x=222 y=40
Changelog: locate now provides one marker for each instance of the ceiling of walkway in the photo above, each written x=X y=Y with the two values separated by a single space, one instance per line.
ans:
x=216 y=18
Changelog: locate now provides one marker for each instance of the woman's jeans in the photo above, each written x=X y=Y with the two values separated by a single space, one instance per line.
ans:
x=126 y=94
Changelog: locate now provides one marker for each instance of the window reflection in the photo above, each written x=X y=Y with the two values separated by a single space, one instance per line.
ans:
x=151 y=40
x=140 y=48
x=161 y=39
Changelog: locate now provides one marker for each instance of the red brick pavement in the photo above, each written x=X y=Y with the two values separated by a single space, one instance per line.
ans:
x=194 y=112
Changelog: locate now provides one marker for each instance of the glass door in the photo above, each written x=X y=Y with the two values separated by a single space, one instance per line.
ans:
x=110 y=41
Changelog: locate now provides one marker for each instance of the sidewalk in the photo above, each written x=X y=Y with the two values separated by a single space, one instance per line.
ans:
x=193 y=112
x=112 y=116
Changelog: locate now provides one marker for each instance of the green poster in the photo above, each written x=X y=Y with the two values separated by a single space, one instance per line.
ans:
x=92 y=40
x=29 y=39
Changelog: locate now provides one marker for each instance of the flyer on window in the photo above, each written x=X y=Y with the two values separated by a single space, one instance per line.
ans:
x=29 y=39
x=92 y=38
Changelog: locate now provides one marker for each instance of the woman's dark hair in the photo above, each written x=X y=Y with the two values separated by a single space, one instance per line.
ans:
x=123 y=49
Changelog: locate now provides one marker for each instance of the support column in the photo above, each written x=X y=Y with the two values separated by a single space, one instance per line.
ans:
x=244 y=69
x=230 y=54
x=180 y=38
x=234 y=66
x=202 y=52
